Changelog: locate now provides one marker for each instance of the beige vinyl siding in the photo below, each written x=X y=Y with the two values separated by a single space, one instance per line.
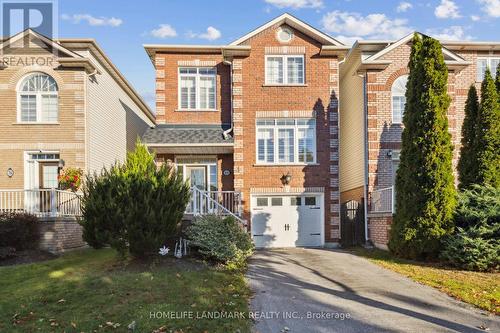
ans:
x=351 y=126
x=113 y=120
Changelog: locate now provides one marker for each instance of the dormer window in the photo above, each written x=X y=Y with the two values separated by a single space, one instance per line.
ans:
x=37 y=99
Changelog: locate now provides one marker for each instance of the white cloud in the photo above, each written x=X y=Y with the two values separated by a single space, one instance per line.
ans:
x=403 y=7
x=296 y=4
x=475 y=18
x=94 y=21
x=372 y=26
x=447 y=9
x=164 y=31
x=491 y=7
x=211 y=34
x=454 y=32
x=348 y=40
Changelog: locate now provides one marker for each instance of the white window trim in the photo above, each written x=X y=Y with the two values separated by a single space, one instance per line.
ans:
x=488 y=65
x=275 y=128
x=205 y=164
x=392 y=112
x=392 y=104
x=38 y=95
x=197 y=93
x=285 y=72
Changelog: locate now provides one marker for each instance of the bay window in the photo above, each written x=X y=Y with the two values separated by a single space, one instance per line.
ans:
x=197 y=88
x=286 y=141
x=285 y=69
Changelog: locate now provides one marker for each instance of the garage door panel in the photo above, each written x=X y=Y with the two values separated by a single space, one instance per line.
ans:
x=287 y=221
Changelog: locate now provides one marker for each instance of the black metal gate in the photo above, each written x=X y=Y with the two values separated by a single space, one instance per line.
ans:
x=352 y=221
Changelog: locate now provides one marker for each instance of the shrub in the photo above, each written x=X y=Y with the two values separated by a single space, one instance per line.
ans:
x=472 y=249
x=221 y=240
x=133 y=207
x=475 y=244
x=19 y=231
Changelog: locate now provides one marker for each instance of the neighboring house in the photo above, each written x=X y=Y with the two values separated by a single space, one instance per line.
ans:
x=257 y=118
x=63 y=103
x=373 y=85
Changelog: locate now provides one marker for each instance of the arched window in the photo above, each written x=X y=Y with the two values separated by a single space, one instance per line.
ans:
x=398 y=91
x=37 y=99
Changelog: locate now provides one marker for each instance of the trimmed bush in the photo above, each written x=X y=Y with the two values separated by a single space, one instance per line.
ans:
x=19 y=231
x=475 y=245
x=221 y=240
x=133 y=207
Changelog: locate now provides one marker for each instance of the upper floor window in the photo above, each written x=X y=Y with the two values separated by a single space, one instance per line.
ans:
x=483 y=63
x=197 y=88
x=282 y=141
x=38 y=99
x=285 y=69
x=398 y=92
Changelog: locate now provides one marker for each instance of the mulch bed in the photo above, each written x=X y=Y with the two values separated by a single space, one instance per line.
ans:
x=27 y=257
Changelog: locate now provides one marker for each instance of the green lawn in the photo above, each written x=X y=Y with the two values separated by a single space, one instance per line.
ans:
x=93 y=291
x=479 y=289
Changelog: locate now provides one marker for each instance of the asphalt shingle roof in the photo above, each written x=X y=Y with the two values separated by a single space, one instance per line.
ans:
x=178 y=134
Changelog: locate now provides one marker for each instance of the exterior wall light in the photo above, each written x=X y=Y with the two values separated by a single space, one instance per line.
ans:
x=61 y=164
x=10 y=172
x=286 y=179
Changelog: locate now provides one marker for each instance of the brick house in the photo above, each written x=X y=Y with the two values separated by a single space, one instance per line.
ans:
x=373 y=84
x=286 y=124
x=258 y=117
x=63 y=104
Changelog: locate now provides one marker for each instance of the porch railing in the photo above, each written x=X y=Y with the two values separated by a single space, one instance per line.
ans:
x=41 y=202
x=382 y=200
x=224 y=203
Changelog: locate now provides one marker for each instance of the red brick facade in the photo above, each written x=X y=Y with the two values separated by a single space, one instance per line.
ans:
x=243 y=97
x=384 y=137
x=251 y=99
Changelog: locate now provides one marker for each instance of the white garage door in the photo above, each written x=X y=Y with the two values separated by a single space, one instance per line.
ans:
x=287 y=221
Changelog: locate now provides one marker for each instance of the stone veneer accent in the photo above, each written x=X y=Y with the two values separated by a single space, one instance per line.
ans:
x=59 y=234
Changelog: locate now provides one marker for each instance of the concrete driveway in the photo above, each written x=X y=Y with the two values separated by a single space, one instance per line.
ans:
x=319 y=290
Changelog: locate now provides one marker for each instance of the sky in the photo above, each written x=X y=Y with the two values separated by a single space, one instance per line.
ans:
x=121 y=27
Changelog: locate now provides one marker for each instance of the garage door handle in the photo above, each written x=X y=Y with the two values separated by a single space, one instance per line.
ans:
x=317 y=234
x=258 y=209
x=258 y=235
x=314 y=207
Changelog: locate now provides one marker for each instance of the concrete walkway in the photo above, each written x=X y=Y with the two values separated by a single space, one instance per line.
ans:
x=319 y=290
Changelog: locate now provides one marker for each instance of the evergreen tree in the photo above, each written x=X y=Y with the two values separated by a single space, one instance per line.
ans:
x=425 y=192
x=488 y=135
x=467 y=165
x=497 y=80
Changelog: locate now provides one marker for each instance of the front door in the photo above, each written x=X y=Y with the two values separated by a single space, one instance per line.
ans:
x=197 y=176
x=48 y=172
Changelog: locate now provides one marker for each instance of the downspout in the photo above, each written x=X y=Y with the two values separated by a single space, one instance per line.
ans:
x=365 y=157
x=225 y=134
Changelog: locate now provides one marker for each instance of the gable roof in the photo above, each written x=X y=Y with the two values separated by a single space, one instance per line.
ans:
x=295 y=23
x=44 y=39
x=74 y=59
x=406 y=39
